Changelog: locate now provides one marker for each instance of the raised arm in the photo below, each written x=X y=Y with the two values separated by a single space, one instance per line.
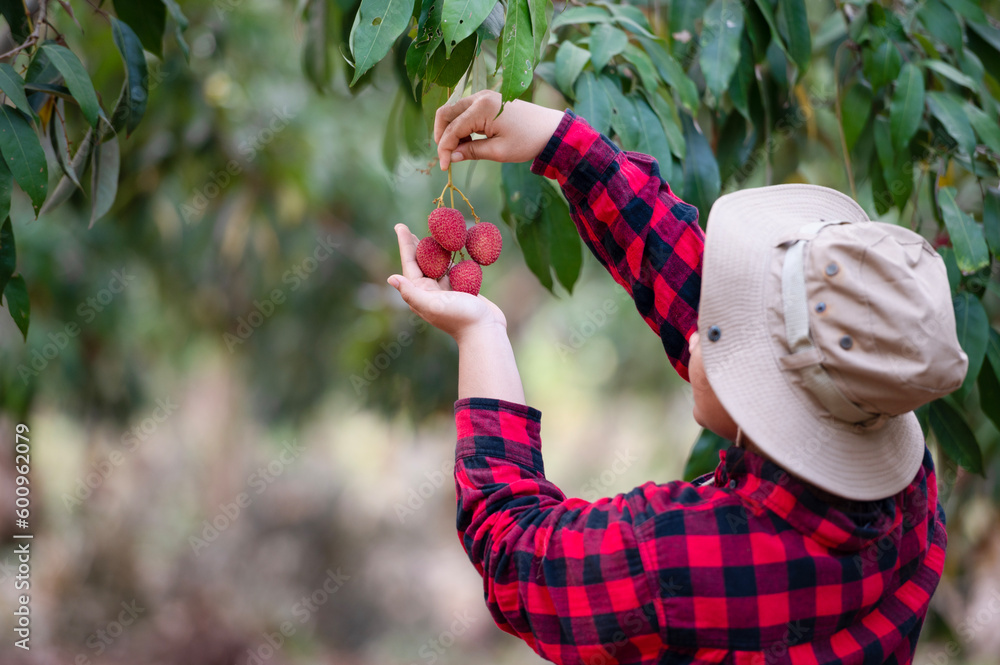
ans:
x=647 y=238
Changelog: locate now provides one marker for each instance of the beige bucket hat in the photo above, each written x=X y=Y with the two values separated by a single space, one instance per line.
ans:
x=821 y=331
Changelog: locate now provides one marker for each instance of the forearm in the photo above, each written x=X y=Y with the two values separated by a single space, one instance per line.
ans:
x=486 y=365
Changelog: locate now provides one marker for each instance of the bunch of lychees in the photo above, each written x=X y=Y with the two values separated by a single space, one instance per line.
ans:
x=449 y=235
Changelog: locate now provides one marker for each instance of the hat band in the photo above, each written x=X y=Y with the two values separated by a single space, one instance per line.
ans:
x=805 y=357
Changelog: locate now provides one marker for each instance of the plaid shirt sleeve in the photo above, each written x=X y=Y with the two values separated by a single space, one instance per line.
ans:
x=646 y=237
x=744 y=567
x=562 y=574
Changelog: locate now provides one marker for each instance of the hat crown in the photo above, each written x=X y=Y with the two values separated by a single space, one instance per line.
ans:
x=886 y=327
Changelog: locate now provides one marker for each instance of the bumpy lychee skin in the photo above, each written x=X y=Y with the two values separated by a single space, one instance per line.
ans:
x=447 y=225
x=432 y=258
x=466 y=277
x=484 y=243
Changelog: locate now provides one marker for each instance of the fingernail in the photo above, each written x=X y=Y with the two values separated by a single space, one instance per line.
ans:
x=393 y=282
x=457 y=156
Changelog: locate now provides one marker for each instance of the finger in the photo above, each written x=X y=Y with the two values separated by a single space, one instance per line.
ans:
x=491 y=149
x=476 y=118
x=418 y=299
x=449 y=112
x=408 y=252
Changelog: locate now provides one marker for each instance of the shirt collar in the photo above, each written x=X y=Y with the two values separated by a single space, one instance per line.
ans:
x=836 y=523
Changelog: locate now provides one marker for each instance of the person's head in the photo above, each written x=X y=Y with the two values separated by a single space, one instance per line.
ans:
x=819 y=333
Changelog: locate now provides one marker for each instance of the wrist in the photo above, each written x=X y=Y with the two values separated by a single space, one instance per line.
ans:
x=477 y=333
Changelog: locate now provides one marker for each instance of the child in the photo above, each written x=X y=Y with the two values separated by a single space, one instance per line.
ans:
x=810 y=340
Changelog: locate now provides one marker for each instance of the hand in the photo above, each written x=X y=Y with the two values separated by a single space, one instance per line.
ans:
x=518 y=134
x=453 y=312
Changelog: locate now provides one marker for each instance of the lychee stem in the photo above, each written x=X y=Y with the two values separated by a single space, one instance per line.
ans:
x=451 y=188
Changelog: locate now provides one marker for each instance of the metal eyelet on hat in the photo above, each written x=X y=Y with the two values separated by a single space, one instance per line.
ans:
x=714 y=334
x=846 y=342
x=832 y=269
x=732 y=484
x=820 y=307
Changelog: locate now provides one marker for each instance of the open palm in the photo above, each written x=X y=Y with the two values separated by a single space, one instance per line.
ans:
x=433 y=300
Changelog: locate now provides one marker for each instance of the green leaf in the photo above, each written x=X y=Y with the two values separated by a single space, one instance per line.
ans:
x=973 y=329
x=652 y=139
x=460 y=18
x=882 y=64
x=683 y=15
x=566 y=248
x=16 y=293
x=426 y=42
x=570 y=61
x=701 y=171
x=447 y=72
x=525 y=198
x=65 y=188
x=180 y=25
x=540 y=11
x=586 y=14
x=949 y=111
x=953 y=434
x=907 y=106
x=923 y=417
x=624 y=117
x=704 y=457
x=986 y=129
x=672 y=73
x=799 y=41
x=8 y=253
x=104 y=178
x=856 y=106
x=535 y=242
x=667 y=112
x=989 y=380
x=592 y=102
x=147 y=18
x=12 y=85
x=966 y=237
x=969 y=9
x=743 y=80
x=643 y=66
x=6 y=189
x=941 y=22
x=60 y=144
x=376 y=26
x=991 y=223
x=949 y=72
x=23 y=155
x=516 y=60
x=720 y=50
x=632 y=19
x=77 y=80
x=767 y=10
x=136 y=72
x=606 y=42
x=17 y=18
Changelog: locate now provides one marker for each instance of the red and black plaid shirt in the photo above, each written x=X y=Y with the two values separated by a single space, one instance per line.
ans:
x=746 y=566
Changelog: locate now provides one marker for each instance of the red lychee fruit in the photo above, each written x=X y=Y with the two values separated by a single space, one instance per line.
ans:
x=432 y=258
x=447 y=225
x=484 y=243
x=466 y=277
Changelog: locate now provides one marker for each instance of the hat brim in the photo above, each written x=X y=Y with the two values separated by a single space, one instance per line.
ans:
x=743 y=366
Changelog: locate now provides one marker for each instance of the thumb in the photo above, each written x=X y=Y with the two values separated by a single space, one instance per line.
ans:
x=491 y=149
x=412 y=296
